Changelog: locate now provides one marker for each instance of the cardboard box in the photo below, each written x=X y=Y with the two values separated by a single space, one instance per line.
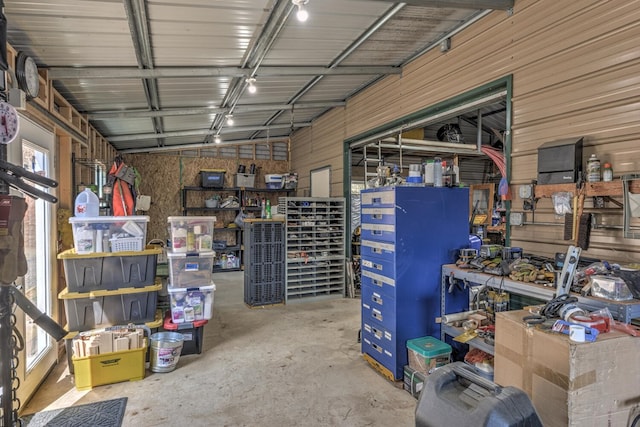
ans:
x=570 y=384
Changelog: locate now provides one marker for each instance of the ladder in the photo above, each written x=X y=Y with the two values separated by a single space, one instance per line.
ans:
x=371 y=161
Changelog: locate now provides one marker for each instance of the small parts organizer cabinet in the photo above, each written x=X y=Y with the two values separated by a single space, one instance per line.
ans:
x=408 y=233
x=315 y=239
x=264 y=269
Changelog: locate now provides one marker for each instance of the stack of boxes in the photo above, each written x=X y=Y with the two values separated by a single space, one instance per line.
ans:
x=191 y=288
x=109 y=288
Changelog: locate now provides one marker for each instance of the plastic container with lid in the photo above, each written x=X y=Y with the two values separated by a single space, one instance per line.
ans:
x=191 y=233
x=87 y=204
x=427 y=353
x=437 y=172
x=607 y=172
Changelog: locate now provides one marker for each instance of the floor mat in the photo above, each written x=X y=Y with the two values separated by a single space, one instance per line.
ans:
x=107 y=413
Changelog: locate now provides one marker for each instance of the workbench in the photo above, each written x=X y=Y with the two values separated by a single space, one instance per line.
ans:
x=623 y=311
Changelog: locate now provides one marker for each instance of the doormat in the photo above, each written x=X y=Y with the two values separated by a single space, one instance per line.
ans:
x=107 y=413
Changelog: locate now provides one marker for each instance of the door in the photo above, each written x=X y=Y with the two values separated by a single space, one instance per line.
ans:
x=40 y=350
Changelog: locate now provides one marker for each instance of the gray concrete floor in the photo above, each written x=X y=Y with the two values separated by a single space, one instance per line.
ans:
x=287 y=365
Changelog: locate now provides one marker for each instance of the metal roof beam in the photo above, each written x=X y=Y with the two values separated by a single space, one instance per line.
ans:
x=136 y=114
x=62 y=73
x=464 y=4
x=195 y=132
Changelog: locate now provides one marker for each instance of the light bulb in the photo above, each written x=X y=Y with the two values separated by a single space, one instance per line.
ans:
x=217 y=139
x=302 y=14
x=229 y=119
x=252 y=87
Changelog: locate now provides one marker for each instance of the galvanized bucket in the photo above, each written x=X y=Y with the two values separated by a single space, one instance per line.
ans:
x=165 y=351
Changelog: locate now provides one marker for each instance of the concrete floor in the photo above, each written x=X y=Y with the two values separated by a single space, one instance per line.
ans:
x=288 y=365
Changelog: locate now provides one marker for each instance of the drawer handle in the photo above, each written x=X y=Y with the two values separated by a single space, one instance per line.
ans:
x=377 y=266
x=376 y=314
x=377 y=300
x=376 y=216
x=377 y=333
x=376 y=200
x=376 y=347
x=377 y=282
x=376 y=232
x=376 y=250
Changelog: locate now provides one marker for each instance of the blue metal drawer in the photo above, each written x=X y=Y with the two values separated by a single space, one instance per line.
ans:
x=384 y=355
x=379 y=333
x=371 y=248
x=380 y=307
x=379 y=265
x=379 y=283
x=378 y=215
x=385 y=198
x=384 y=232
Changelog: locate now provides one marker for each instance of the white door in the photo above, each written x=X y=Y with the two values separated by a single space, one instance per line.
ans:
x=35 y=154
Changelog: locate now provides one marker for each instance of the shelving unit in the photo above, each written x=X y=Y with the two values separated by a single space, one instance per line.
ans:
x=234 y=242
x=264 y=272
x=315 y=245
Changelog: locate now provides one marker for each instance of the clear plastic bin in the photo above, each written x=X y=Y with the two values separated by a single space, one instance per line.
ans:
x=191 y=233
x=189 y=270
x=109 y=233
x=191 y=304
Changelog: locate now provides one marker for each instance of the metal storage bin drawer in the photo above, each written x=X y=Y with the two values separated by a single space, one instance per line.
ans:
x=384 y=232
x=380 y=265
x=379 y=198
x=379 y=334
x=377 y=350
x=370 y=249
x=378 y=215
x=379 y=307
x=379 y=283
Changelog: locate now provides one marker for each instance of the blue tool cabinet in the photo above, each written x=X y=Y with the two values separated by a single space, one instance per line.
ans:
x=407 y=234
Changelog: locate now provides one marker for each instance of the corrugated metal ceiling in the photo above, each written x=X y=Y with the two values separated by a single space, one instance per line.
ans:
x=198 y=53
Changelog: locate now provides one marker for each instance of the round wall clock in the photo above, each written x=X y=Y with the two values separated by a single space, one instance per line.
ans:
x=8 y=123
x=27 y=75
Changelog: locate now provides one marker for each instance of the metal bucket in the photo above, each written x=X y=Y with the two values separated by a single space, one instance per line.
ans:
x=165 y=351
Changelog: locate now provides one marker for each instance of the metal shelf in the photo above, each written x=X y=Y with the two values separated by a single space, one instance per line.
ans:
x=314 y=226
x=479 y=343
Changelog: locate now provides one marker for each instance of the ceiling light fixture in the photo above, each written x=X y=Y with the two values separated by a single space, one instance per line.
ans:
x=302 y=13
x=229 y=118
x=251 y=81
x=217 y=139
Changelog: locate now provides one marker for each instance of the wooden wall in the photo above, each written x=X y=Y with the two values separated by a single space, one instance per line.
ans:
x=164 y=175
x=575 y=74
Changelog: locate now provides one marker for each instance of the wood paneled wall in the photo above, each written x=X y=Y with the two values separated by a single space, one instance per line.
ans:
x=575 y=74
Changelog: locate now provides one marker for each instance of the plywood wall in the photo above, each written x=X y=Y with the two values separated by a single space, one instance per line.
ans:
x=575 y=74
x=164 y=175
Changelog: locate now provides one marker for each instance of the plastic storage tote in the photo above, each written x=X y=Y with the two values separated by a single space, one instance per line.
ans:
x=192 y=334
x=109 y=233
x=246 y=180
x=191 y=304
x=190 y=270
x=99 y=309
x=109 y=271
x=109 y=368
x=427 y=353
x=191 y=233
